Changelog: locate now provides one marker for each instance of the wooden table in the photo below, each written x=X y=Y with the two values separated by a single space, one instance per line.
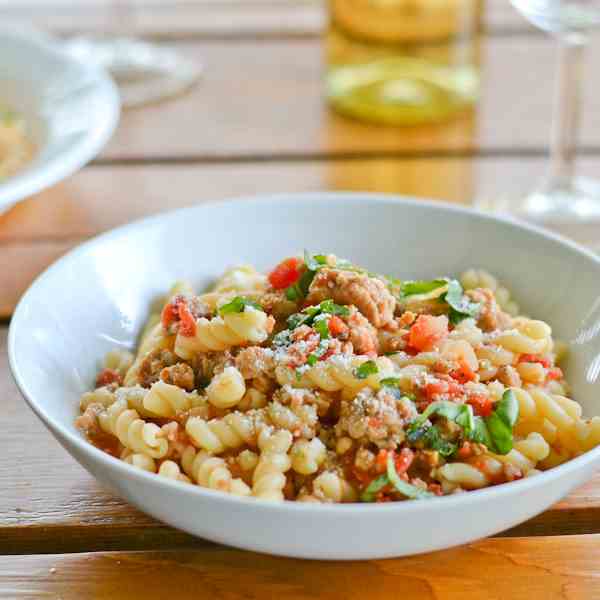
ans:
x=257 y=123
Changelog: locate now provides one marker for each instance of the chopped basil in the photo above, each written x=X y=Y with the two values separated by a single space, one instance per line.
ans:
x=501 y=422
x=314 y=263
x=312 y=359
x=460 y=306
x=238 y=305
x=293 y=293
x=307 y=316
x=412 y=288
x=374 y=488
x=461 y=414
x=321 y=327
x=433 y=439
x=405 y=488
x=366 y=369
x=494 y=431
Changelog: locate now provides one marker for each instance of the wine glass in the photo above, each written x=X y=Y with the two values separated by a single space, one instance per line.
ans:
x=563 y=201
x=144 y=72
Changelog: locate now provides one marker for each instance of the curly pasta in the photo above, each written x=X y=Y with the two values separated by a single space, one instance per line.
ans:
x=171 y=470
x=268 y=479
x=141 y=461
x=335 y=375
x=226 y=389
x=478 y=278
x=134 y=433
x=330 y=487
x=221 y=333
x=166 y=400
x=322 y=379
x=232 y=431
x=212 y=472
x=308 y=456
x=241 y=279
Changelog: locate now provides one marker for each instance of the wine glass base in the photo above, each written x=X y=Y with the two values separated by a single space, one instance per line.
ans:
x=572 y=209
x=143 y=72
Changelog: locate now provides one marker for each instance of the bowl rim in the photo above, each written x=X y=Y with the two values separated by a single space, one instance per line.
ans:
x=33 y=179
x=350 y=509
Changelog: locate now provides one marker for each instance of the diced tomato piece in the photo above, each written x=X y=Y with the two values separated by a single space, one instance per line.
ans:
x=440 y=387
x=187 y=326
x=403 y=460
x=428 y=331
x=555 y=373
x=286 y=273
x=178 y=310
x=170 y=313
x=463 y=373
x=362 y=476
x=336 y=326
x=482 y=404
x=382 y=497
x=374 y=422
x=465 y=450
x=108 y=376
x=535 y=358
x=381 y=461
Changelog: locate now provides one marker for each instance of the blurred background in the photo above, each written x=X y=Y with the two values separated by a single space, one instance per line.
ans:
x=282 y=101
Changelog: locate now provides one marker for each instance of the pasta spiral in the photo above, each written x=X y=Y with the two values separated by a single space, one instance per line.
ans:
x=268 y=479
x=221 y=333
x=171 y=470
x=226 y=389
x=331 y=487
x=211 y=472
x=166 y=400
x=335 y=374
x=307 y=456
x=133 y=432
x=217 y=435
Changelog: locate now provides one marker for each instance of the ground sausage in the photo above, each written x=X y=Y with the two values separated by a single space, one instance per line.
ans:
x=368 y=294
x=491 y=316
x=152 y=365
x=181 y=375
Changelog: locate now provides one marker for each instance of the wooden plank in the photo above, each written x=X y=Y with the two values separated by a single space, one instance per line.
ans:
x=50 y=504
x=495 y=569
x=274 y=109
x=40 y=229
x=176 y=19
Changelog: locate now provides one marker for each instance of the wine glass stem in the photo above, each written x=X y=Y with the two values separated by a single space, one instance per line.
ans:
x=567 y=110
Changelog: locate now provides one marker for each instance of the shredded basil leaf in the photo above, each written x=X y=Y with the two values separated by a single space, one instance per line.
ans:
x=308 y=315
x=312 y=359
x=412 y=288
x=366 y=369
x=238 y=305
x=501 y=422
x=374 y=488
x=460 y=306
x=434 y=440
x=293 y=293
x=322 y=328
x=405 y=488
x=461 y=414
x=314 y=263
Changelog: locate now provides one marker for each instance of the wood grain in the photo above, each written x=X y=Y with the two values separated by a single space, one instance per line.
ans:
x=496 y=569
x=37 y=231
x=50 y=504
x=273 y=108
x=176 y=19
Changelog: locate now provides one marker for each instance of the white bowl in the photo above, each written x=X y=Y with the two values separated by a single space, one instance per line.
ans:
x=70 y=109
x=98 y=296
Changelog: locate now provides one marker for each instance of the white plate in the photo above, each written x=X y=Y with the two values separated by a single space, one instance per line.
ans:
x=98 y=296
x=70 y=109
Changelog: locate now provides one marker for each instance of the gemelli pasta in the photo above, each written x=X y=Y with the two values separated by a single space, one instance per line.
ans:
x=323 y=382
